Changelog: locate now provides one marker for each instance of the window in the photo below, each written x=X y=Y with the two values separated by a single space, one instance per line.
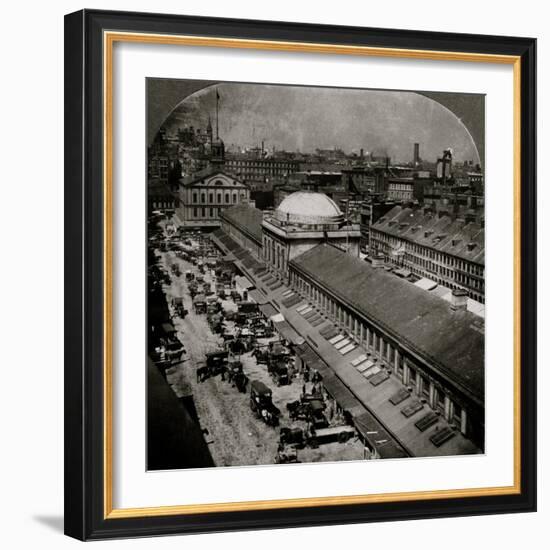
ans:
x=211 y=212
x=203 y=212
x=195 y=212
x=234 y=197
x=203 y=198
x=194 y=198
x=227 y=198
x=211 y=198
x=219 y=198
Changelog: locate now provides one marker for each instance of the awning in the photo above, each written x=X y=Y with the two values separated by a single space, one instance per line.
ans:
x=288 y=333
x=342 y=395
x=426 y=284
x=313 y=361
x=243 y=282
x=378 y=437
x=257 y=296
x=268 y=310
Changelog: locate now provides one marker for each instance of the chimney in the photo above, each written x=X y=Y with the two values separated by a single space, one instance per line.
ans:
x=459 y=300
x=416 y=154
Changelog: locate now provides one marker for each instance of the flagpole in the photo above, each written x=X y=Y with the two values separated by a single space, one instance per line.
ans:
x=217 y=100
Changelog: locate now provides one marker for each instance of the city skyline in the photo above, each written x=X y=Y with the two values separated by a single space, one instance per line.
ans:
x=294 y=118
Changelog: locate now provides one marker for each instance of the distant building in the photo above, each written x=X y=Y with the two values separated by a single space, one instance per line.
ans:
x=205 y=195
x=303 y=220
x=401 y=189
x=361 y=180
x=444 y=167
x=371 y=211
x=447 y=249
x=259 y=173
x=160 y=197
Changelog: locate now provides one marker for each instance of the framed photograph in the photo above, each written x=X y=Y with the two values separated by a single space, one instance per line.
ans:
x=300 y=275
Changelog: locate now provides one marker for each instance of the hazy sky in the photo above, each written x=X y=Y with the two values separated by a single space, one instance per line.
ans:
x=302 y=118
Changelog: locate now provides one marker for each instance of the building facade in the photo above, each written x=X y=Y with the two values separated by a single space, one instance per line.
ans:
x=160 y=197
x=205 y=195
x=260 y=173
x=439 y=360
x=437 y=245
x=303 y=220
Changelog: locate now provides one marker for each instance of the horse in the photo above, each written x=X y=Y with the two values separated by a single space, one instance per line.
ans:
x=203 y=373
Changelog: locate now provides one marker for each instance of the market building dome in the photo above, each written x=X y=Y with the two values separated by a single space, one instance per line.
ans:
x=309 y=208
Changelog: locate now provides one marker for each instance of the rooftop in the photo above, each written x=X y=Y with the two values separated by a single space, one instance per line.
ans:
x=308 y=207
x=207 y=172
x=441 y=232
x=245 y=217
x=451 y=341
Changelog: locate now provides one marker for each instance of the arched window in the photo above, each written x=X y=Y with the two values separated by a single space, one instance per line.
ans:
x=234 y=197
x=211 y=198
x=219 y=198
x=203 y=198
x=227 y=198
x=194 y=198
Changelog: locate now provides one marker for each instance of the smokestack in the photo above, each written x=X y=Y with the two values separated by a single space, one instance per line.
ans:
x=416 y=154
x=459 y=300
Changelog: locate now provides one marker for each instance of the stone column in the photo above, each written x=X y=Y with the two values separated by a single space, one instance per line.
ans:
x=448 y=411
x=432 y=395
x=396 y=362
x=406 y=373
x=463 y=418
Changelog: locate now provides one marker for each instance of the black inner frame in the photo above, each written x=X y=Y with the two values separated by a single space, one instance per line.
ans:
x=84 y=514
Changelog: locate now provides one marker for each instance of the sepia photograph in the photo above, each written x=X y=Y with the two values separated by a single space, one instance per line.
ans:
x=315 y=274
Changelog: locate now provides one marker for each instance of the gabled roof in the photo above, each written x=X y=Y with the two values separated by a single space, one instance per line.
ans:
x=450 y=341
x=442 y=233
x=208 y=172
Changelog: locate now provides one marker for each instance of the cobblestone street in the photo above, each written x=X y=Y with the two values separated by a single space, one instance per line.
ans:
x=234 y=435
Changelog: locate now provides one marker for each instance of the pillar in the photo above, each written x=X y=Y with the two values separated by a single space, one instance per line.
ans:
x=396 y=362
x=448 y=411
x=463 y=420
x=432 y=395
x=406 y=372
